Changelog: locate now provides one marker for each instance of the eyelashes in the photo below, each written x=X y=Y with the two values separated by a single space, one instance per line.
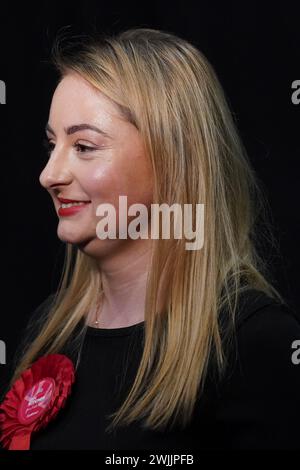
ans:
x=80 y=148
x=48 y=146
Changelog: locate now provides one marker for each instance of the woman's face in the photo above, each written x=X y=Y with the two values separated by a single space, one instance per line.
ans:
x=96 y=165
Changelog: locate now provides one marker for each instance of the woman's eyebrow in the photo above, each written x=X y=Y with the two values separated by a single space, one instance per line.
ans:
x=78 y=127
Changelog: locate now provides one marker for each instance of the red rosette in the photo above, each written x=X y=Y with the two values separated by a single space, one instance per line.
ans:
x=35 y=399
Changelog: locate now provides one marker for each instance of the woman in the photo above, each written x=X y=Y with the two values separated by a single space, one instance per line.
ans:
x=174 y=348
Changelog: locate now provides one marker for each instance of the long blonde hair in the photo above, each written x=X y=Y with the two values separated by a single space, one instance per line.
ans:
x=166 y=87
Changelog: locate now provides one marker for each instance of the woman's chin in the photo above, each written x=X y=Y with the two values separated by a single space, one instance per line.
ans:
x=72 y=237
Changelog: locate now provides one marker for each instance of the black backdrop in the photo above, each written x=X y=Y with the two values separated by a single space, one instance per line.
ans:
x=254 y=48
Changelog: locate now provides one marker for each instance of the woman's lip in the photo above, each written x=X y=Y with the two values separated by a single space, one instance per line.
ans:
x=67 y=201
x=65 y=211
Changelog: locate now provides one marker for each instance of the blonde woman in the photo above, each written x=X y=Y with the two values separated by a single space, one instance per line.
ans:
x=173 y=348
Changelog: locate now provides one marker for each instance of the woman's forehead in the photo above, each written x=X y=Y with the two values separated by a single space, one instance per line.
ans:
x=75 y=99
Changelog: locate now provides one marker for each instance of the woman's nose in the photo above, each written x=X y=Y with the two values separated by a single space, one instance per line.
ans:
x=55 y=172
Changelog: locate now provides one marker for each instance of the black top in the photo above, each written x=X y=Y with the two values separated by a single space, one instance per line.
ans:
x=256 y=405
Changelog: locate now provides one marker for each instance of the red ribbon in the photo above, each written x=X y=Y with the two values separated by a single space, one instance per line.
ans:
x=35 y=399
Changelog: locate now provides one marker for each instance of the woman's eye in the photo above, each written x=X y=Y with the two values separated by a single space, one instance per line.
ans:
x=83 y=148
x=80 y=148
x=49 y=146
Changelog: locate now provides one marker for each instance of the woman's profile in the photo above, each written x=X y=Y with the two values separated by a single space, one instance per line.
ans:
x=173 y=348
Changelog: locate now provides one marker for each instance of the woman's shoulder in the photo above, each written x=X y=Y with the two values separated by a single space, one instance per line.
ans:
x=261 y=322
x=261 y=388
x=267 y=346
x=255 y=304
x=260 y=317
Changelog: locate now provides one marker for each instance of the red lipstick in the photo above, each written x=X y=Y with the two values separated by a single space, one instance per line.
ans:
x=71 y=210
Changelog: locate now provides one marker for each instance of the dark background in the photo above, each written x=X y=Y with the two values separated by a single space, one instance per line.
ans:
x=254 y=48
